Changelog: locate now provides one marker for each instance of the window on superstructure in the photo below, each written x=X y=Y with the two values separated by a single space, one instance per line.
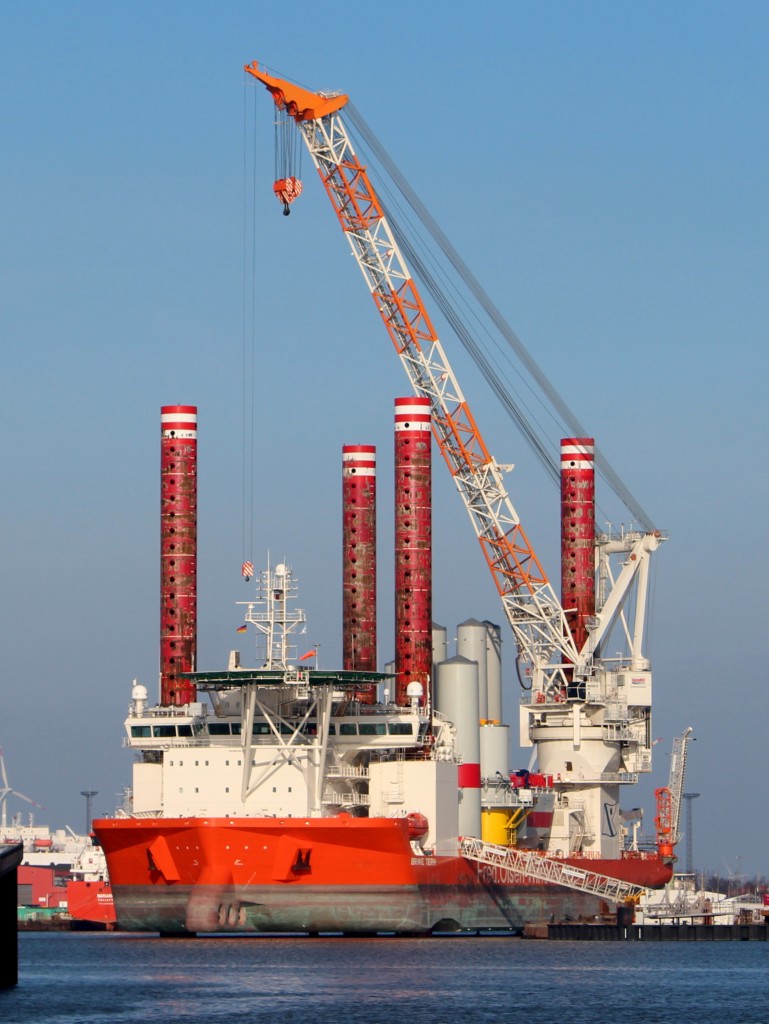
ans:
x=138 y=731
x=372 y=728
x=400 y=729
x=160 y=731
x=347 y=729
x=219 y=729
x=185 y=730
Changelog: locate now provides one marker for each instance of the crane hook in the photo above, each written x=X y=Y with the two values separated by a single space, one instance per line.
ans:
x=286 y=209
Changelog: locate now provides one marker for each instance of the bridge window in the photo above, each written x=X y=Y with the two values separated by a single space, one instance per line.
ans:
x=400 y=728
x=160 y=731
x=372 y=728
x=347 y=729
x=138 y=731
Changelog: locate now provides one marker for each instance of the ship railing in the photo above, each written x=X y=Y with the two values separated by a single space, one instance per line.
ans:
x=346 y=771
x=580 y=778
x=616 y=732
x=641 y=762
x=647 y=854
x=337 y=799
x=492 y=797
x=512 y=866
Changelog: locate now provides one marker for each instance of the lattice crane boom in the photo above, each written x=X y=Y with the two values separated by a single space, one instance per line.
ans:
x=677 y=777
x=670 y=797
x=530 y=604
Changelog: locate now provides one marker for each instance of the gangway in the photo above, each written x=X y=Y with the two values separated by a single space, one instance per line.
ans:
x=515 y=865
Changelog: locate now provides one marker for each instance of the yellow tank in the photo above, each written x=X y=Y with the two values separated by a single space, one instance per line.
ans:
x=495 y=826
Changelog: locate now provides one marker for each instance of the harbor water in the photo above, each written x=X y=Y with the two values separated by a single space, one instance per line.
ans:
x=89 y=978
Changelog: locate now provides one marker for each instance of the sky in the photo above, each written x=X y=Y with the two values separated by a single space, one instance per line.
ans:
x=601 y=168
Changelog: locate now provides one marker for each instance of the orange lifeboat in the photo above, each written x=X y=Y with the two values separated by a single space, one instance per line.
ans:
x=418 y=825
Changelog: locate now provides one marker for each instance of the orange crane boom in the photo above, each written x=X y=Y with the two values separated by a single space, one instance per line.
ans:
x=531 y=605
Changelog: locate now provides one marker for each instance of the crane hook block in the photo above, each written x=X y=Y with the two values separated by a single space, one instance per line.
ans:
x=287 y=190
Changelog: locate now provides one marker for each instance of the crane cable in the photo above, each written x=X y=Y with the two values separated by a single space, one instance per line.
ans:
x=248 y=345
x=465 y=336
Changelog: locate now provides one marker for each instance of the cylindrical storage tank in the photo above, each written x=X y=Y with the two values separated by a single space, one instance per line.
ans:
x=494 y=672
x=388 y=687
x=578 y=534
x=495 y=752
x=495 y=826
x=440 y=644
x=456 y=697
x=178 y=551
x=359 y=642
x=413 y=545
x=471 y=644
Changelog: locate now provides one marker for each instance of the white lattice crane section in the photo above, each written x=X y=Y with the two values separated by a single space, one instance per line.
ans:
x=530 y=604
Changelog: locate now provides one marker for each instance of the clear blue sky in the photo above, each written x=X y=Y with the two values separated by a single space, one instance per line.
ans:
x=601 y=167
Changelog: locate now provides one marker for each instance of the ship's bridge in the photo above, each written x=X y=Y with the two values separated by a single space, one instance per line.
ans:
x=285 y=708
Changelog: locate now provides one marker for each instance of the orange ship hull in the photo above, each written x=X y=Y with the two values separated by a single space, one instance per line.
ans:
x=91 y=903
x=311 y=875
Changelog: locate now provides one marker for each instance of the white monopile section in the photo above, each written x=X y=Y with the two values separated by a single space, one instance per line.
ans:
x=495 y=752
x=440 y=643
x=471 y=644
x=456 y=697
x=494 y=671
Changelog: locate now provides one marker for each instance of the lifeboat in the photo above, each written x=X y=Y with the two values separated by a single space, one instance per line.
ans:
x=418 y=825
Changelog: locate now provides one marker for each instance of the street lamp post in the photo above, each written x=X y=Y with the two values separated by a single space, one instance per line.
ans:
x=89 y=794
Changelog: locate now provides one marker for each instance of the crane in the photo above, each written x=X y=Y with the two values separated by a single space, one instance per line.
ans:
x=606 y=716
x=670 y=797
x=532 y=607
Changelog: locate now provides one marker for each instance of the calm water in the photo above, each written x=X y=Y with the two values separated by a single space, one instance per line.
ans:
x=90 y=978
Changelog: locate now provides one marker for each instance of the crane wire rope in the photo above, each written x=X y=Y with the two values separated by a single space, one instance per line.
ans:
x=419 y=256
x=556 y=402
x=248 y=353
